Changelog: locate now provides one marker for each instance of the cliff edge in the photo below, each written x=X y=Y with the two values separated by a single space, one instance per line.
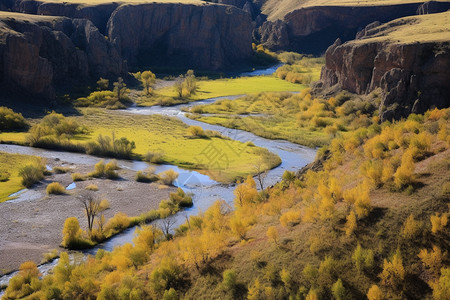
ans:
x=407 y=58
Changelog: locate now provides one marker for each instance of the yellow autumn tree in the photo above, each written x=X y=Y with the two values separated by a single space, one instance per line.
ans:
x=375 y=293
x=351 y=224
x=404 y=175
x=272 y=233
x=393 y=272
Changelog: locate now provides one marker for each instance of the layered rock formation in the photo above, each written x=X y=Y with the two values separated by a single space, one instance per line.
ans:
x=311 y=29
x=408 y=59
x=194 y=34
x=38 y=54
x=94 y=40
x=207 y=37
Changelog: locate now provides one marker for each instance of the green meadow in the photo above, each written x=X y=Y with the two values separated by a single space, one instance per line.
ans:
x=10 y=165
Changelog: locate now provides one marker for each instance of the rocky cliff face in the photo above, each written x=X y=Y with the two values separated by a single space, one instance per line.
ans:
x=38 y=54
x=313 y=29
x=413 y=74
x=172 y=35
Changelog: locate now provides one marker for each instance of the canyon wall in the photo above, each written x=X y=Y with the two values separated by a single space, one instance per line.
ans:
x=411 y=71
x=38 y=53
x=208 y=37
x=313 y=29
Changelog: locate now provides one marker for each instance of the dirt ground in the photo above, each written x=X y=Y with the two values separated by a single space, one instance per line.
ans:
x=32 y=224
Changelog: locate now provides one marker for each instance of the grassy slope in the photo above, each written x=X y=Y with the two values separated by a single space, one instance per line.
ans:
x=12 y=163
x=277 y=9
x=424 y=28
x=380 y=231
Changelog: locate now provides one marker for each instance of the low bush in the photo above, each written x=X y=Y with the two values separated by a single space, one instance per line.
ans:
x=147 y=176
x=105 y=170
x=110 y=170
x=112 y=147
x=154 y=157
x=78 y=177
x=196 y=132
x=181 y=199
x=119 y=222
x=31 y=174
x=55 y=188
x=92 y=187
x=61 y=170
x=9 y=120
x=73 y=235
x=168 y=177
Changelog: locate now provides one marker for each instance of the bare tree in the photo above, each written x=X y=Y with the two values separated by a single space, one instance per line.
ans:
x=166 y=225
x=261 y=174
x=91 y=207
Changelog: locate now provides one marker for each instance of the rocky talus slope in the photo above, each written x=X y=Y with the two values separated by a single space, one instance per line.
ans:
x=408 y=59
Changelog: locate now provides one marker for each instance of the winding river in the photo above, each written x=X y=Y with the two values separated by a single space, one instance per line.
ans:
x=205 y=190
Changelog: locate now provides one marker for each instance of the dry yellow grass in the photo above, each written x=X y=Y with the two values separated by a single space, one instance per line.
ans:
x=425 y=28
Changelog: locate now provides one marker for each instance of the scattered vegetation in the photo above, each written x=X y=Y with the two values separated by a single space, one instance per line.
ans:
x=168 y=177
x=147 y=176
x=115 y=99
x=102 y=170
x=32 y=174
x=257 y=252
x=10 y=121
x=78 y=177
x=298 y=118
x=299 y=68
x=147 y=79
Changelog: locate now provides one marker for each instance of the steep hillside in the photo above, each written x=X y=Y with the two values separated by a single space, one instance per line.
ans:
x=407 y=58
x=370 y=219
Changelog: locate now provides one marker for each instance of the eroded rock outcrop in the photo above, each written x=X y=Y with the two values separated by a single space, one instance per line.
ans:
x=171 y=35
x=311 y=29
x=407 y=58
x=38 y=54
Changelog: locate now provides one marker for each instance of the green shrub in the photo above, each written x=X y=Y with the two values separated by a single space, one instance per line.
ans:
x=55 y=188
x=31 y=174
x=9 y=120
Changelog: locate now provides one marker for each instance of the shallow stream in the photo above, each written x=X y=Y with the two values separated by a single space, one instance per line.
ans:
x=205 y=190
